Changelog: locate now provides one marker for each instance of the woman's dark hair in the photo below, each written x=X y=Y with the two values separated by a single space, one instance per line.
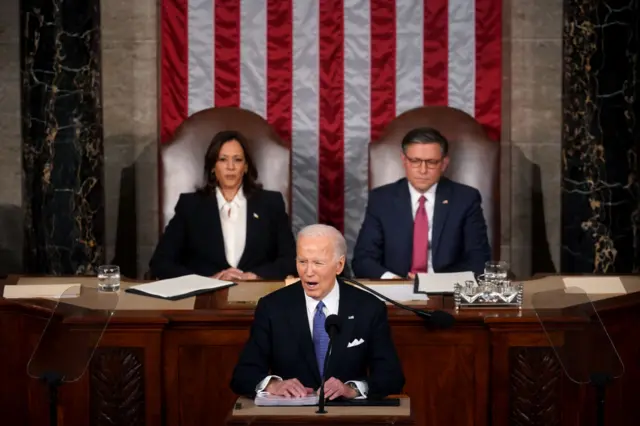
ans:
x=249 y=180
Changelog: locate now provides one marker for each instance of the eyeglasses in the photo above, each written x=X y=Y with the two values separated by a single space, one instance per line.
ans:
x=416 y=163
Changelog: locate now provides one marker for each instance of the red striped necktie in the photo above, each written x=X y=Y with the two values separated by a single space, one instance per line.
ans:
x=420 y=239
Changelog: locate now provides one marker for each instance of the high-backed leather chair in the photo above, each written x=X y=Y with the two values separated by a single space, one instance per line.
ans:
x=183 y=157
x=475 y=159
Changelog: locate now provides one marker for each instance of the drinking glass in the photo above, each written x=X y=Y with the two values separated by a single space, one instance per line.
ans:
x=496 y=271
x=109 y=278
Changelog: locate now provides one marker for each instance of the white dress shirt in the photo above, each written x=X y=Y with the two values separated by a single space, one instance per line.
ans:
x=429 y=205
x=331 y=303
x=233 y=219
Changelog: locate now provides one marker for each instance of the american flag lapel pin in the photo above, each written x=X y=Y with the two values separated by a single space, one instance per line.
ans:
x=256 y=216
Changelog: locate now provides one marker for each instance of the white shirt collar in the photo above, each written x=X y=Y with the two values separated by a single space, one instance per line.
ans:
x=415 y=194
x=331 y=301
x=239 y=200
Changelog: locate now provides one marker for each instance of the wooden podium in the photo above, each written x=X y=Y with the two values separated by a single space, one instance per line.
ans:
x=246 y=413
x=493 y=367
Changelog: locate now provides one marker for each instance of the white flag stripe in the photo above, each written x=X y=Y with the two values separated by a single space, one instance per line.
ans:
x=253 y=56
x=462 y=55
x=200 y=15
x=409 y=54
x=357 y=114
x=305 y=114
x=409 y=91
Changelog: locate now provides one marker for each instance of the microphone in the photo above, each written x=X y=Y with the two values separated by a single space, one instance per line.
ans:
x=332 y=325
x=437 y=318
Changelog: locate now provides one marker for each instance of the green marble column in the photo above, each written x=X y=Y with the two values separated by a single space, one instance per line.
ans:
x=62 y=151
x=601 y=137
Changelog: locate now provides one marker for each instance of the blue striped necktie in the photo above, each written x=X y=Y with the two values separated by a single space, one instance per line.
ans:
x=320 y=337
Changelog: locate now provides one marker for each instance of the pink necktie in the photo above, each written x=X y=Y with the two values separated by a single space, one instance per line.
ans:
x=420 y=239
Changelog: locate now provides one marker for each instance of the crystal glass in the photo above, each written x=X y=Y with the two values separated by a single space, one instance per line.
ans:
x=488 y=293
x=109 y=278
x=496 y=271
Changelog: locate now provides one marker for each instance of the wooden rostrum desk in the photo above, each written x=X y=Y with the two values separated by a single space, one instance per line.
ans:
x=170 y=363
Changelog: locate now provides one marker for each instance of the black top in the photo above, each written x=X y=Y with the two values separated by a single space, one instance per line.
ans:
x=193 y=242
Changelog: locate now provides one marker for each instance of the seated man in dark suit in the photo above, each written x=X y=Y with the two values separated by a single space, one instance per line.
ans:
x=231 y=228
x=424 y=222
x=287 y=345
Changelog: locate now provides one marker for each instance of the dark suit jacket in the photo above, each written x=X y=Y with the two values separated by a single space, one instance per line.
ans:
x=459 y=236
x=280 y=344
x=193 y=243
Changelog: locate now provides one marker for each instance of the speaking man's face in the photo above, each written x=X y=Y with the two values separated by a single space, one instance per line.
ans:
x=318 y=265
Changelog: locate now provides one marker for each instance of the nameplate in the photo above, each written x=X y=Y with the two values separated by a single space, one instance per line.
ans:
x=594 y=285
x=47 y=291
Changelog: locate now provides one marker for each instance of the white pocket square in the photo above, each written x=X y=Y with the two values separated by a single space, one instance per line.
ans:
x=355 y=342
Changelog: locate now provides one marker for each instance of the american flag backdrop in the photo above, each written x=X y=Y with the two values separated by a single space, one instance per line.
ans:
x=329 y=75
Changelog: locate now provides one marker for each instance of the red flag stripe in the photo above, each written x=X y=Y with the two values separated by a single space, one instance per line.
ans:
x=227 y=53
x=489 y=66
x=331 y=109
x=383 y=65
x=280 y=66
x=174 y=69
x=435 y=52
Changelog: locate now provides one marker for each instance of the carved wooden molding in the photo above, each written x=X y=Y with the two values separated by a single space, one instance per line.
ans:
x=535 y=387
x=117 y=387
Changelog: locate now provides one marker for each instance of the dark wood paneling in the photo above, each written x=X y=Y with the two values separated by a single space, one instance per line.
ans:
x=535 y=387
x=200 y=363
x=117 y=387
x=492 y=368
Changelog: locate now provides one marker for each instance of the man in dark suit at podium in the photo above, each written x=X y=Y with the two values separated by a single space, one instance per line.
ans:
x=424 y=222
x=288 y=342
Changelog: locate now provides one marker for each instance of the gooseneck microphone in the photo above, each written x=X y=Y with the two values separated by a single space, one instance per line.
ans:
x=439 y=319
x=332 y=325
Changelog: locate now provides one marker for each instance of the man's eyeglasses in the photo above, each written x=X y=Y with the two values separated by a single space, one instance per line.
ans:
x=416 y=163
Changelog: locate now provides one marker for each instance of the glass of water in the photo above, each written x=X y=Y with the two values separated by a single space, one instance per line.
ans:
x=496 y=271
x=109 y=278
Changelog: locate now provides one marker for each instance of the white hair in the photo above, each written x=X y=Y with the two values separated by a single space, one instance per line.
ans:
x=320 y=230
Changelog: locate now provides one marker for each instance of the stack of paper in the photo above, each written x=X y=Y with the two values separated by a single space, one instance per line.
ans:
x=398 y=292
x=179 y=288
x=442 y=282
x=31 y=291
x=265 y=399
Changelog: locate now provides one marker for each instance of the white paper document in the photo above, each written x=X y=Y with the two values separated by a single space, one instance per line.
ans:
x=594 y=285
x=265 y=399
x=398 y=292
x=443 y=282
x=178 y=288
x=48 y=291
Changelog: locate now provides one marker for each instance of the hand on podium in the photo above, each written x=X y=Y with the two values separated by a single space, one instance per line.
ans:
x=334 y=388
x=232 y=274
x=290 y=387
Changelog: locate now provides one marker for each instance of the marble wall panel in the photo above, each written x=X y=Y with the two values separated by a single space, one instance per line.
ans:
x=62 y=150
x=601 y=138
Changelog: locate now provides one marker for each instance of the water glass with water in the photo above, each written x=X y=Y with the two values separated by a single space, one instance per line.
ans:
x=496 y=271
x=109 y=278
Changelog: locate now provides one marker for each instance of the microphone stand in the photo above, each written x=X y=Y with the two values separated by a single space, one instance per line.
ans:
x=600 y=381
x=53 y=381
x=321 y=409
x=440 y=318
